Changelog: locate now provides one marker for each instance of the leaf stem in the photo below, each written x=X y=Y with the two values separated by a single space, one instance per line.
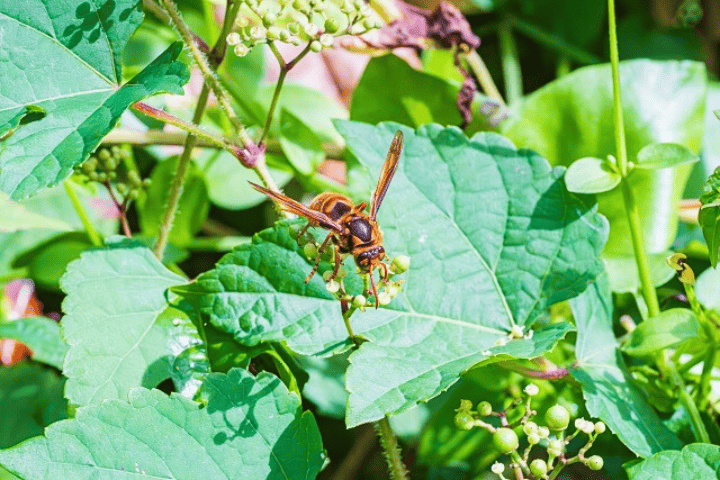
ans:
x=512 y=74
x=555 y=374
x=209 y=138
x=481 y=72
x=77 y=204
x=698 y=427
x=284 y=69
x=392 y=450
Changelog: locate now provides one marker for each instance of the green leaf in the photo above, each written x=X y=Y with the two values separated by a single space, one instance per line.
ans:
x=475 y=273
x=31 y=397
x=608 y=390
x=383 y=95
x=14 y=216
x=64 y=57
x=571 y=118
x=623 y=273
x=591 y=175
x=664 y=155
x=114 y=295
x=41 y=335
x=699 y=460
x=227 y=182
x=193 y=206
x=709 y=215
x=302 y=147
x=29 y=113
x=666 y=330
x=47 y=262
x=707 y=287
x=251 y=428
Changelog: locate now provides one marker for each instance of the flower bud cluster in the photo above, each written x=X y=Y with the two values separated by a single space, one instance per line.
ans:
x=103 y=166
x=315 y=23
x=387 y=289
x=550 y=436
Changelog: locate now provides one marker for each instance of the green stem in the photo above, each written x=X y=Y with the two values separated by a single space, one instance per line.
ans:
x=512 y=74
x=211 y=79
x=346 y=319
x=77 y=204
x=208 y=138
x=179 y=180
x=711 y=352
x=482 y=74
x=284 y=69
x=631 y=210
x=696 y=422
x=392 y=450
x=556 y=43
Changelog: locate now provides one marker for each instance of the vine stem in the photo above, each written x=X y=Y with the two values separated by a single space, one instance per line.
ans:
x=184 y=161
x=77 y=204
x=641 y=258
x=382 y=426
x=284 y=69
x=203 y=64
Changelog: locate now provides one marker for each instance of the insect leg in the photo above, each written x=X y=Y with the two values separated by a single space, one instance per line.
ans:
x=386 y=273
x=374 y=288
x=317 y=259
x=302 y=232
x=338 y=259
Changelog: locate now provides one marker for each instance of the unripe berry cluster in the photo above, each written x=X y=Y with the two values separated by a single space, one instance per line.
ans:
x=387 y=290
x=103 y=166
x=311 y=22
x=550 y=436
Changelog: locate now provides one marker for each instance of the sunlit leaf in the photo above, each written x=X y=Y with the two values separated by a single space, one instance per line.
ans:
x=591 y=175
x=698 y=460
x=664 y=155
x=665 y=330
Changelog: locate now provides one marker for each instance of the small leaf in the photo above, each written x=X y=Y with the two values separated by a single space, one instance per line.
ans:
x=41 y=335
x=251 y=428
x=114 y=295
x=193 y=206
x=302 y=147
x=699 y=460
x=664 y=155
x=31 y=398
x=666 y=330
x=609 y=392
x=14 y=217
x=709 y=215
x=591 y=175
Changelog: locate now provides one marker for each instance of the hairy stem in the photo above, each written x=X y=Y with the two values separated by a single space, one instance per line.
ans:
x=208 y=138
x=203 y=64
x=77 y=204
x=391 y=448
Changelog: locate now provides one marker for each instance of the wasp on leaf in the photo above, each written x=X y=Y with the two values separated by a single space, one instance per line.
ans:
x=351 y=229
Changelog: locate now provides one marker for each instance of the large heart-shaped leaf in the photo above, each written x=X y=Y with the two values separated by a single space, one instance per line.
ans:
x=251 y=428
x=494 y=237
x=63 y=56
x=609 y=392
x=571 y=118
x=113 y=298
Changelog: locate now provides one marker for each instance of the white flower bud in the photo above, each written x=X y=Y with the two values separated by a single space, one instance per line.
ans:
x=241 y=50
x=531 y=390
x=258 y=32
x=311 y=29
x=599 y=427
x=242 y=21
x=497 y=468
x=326 y=39
x=233 y=38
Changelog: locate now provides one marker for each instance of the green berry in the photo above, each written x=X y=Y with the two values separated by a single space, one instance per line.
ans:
x=310 y=250
x=557 y=418
x=359 y=301
x=112 y=175
x=90 y=166
x=133 y=195
x=316 y=46
x=595 y=462
x=530 y=427
x=341 y=273
x=134 y=178
x=146 y=182
x=484 y=409
x=273 y=33
x=122 y=188
x=543 y=432
x=115 y=151
x=102 y=177
x=294 y=28
x=505 y=440
x=556 y=447
x=538 y=467
x=533 y=439
x=400 y=264
x=331 y=25
x=384 y=298
x=269 y=19
x=464 y=421
x=103 y=154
